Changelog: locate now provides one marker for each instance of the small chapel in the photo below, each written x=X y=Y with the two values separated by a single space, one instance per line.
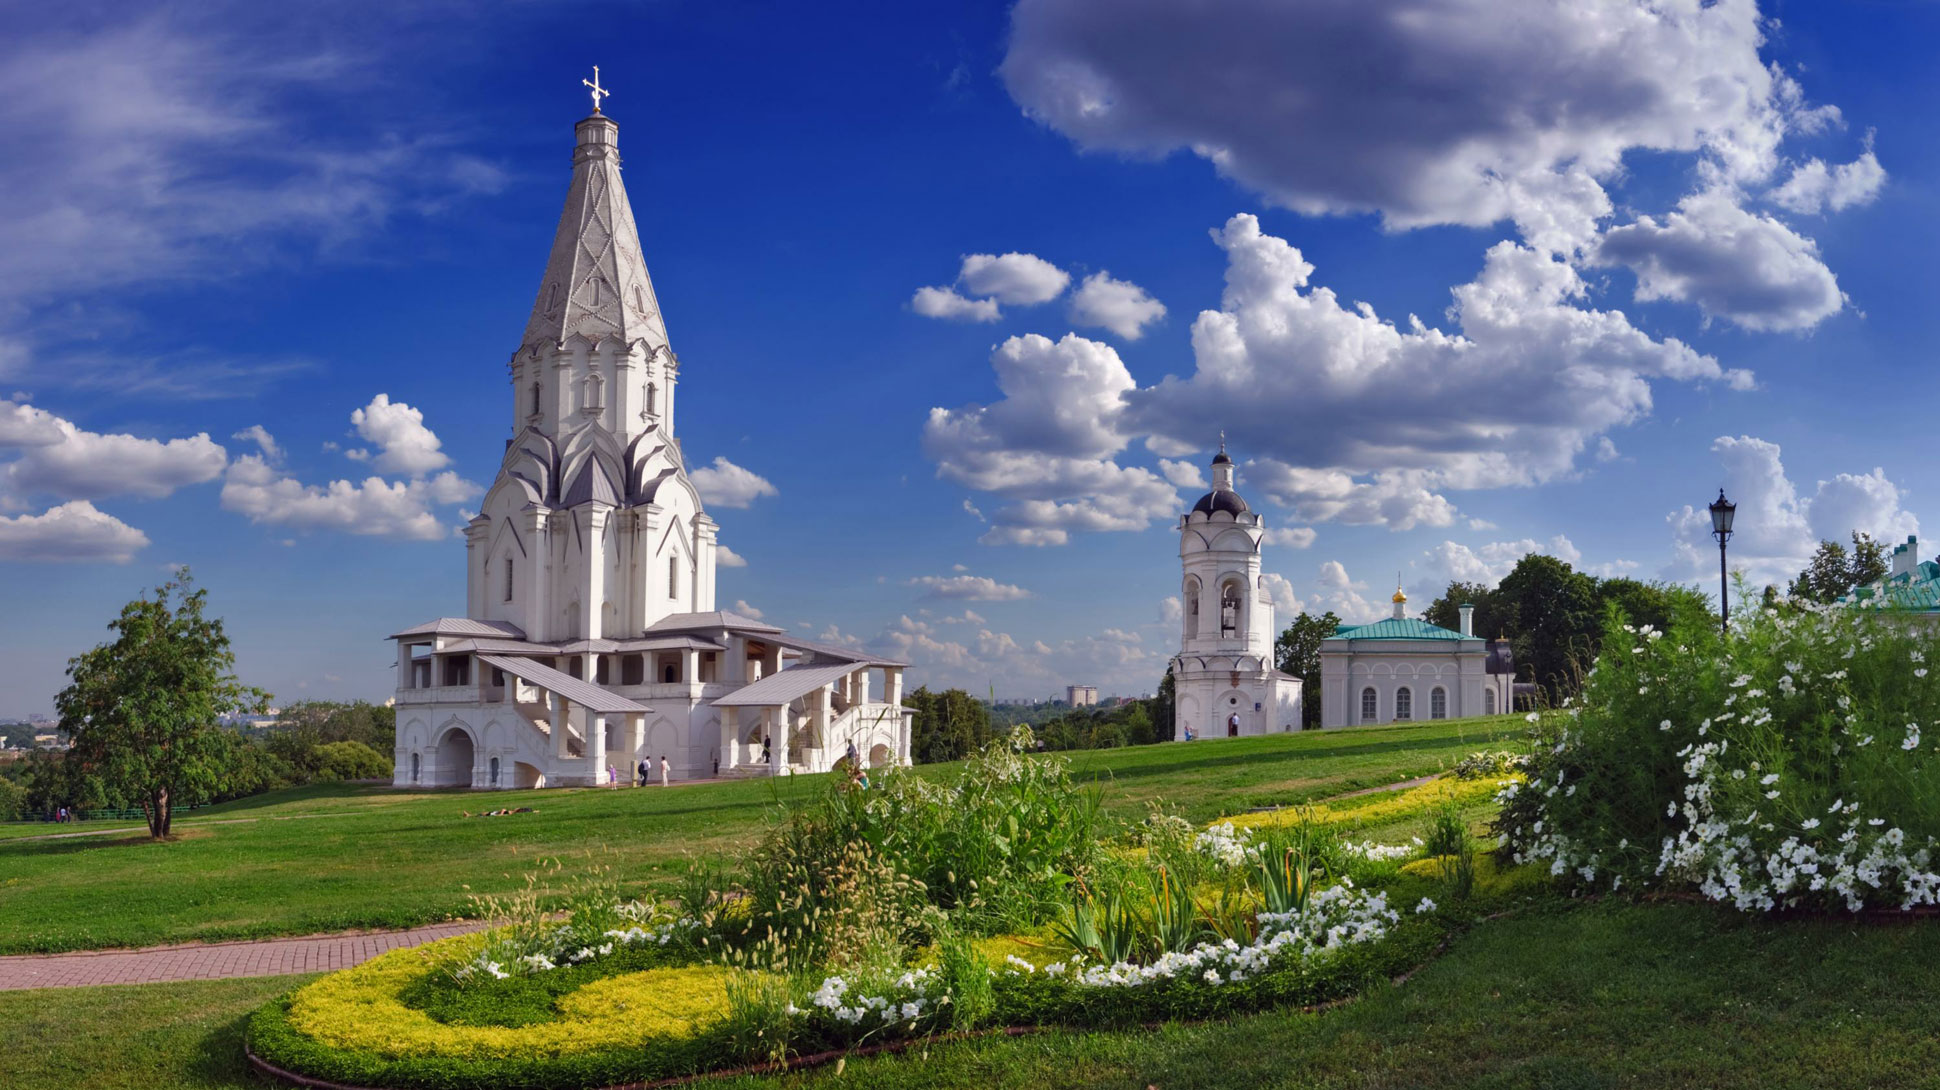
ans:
x=590 y=641
x=1224 y=681
x=1403 y=668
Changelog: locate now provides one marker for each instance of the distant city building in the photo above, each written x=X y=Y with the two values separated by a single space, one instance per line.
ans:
x=1224 y=680
x=590 y=639
x=1081 y=696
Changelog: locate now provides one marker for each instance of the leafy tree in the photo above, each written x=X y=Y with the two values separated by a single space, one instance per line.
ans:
x=1446 y=611
x=949 y=726
x=1832 y=573
x=1297 y=652
x=1165 y=709
x=142 y=709
x=13 y=800
x=1552 y=613
x=351 y=761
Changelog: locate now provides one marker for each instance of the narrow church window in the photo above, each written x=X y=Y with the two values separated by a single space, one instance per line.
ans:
x=595 y=391
x=1368 y=710
x=417 y=767
x=1192 y=608
x=673 y=577
x=508 y=578
x=495 y=772
x=1438 y=703
x=535 y=399
x=651 y=393
x=1404 y=703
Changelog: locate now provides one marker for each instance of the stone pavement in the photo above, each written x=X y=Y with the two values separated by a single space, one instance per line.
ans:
x=213 y=961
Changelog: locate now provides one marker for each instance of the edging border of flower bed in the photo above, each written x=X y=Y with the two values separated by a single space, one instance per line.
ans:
x=823 y=1059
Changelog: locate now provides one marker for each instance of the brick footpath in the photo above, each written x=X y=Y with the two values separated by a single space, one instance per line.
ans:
x=213 y=961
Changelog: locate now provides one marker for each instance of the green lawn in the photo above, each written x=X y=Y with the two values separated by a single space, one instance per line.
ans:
x=334 y=857
x=1597 y=995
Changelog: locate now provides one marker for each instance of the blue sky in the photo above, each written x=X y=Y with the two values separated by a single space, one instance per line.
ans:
x=1652 y=252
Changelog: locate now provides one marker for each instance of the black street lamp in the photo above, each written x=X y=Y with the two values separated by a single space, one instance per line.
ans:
x=1721 y=515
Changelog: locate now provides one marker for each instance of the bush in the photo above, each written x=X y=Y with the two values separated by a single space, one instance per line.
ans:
x=1782 y=766
x=351 y=761
x=13 y=800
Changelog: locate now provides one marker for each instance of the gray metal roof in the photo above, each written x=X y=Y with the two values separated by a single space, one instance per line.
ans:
x=826 y=650
x=583 y=693
x=784 y=686
x=501 y=647
x=463 y=626
x=720 y=618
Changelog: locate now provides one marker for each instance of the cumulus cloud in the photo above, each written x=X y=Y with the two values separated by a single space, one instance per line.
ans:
x=266 y=494
x=742 y=607
x=1183 y=474
x=946 y=303
x=1479 y=111
x=1776 y=528
x=404 y=445
x=1118 y=305
x=1017 y=279
x=1114 y=659
x=57 y=458
x=725 y=484
x=259 y=435
x=971 y=588
x=1815 y=187
x=1452 y=561
x=74 y=532
x=1747 y=268
x=1291 y=537
x=1171 y=610
x=1336 y=592
x=727 y=558
x=1279 y=590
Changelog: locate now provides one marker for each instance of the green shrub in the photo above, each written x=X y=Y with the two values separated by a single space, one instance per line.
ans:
x=351 y=761
x=1784 y=765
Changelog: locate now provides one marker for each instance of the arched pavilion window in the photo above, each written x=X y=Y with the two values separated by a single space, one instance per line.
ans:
x=1488 y=702
x=1404 y=704
x=1438 y=703
x=1370 y=710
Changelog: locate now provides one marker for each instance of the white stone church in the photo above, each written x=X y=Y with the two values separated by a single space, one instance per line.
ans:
x=1224 y=681
x=590 y=639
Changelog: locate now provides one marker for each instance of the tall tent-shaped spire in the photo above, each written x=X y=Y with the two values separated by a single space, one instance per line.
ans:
x=596 y=284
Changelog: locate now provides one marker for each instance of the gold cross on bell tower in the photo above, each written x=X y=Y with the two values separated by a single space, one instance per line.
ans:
x=598 y=91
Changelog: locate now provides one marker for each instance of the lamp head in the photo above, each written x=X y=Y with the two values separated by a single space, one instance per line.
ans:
x=1722 y=512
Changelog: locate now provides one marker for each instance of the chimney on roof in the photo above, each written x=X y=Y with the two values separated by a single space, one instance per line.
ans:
x=1468 y=620
x=1906 y=558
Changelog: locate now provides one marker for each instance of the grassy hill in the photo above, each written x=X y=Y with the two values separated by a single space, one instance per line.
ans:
x=336 y=857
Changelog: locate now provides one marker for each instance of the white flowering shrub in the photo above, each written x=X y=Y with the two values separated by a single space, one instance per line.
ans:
x=1793 y=764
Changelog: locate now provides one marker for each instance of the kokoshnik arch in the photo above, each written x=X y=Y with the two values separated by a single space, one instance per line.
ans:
x=590 y=637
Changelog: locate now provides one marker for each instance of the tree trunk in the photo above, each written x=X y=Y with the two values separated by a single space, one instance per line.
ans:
x=159 y=813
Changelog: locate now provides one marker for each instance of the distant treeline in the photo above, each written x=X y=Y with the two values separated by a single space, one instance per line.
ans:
x=310 y=742
x=952 y=724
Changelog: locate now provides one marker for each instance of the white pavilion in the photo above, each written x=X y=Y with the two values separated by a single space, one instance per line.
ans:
x=590 y=639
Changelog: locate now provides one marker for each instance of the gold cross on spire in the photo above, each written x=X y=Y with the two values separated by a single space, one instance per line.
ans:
x=598 y=91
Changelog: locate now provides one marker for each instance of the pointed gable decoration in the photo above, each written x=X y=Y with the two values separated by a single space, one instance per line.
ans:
x=596 y=284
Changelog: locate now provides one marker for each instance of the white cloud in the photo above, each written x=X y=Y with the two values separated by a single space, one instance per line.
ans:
x=190 y=153
x=728 y=558
x=59 y=459
x=1171 y=610
x=1775 y=530
x=73 y=532
x=1336 y=592
x=404 y=445
x=1747 y=268
x=946 y=303
x=972 y=588
x=1454 y=562
x=1478 y=112
x=1183 y=474
x=1291 y=537
x=1286 y=604
x=1017 y=279
x=259 y=435
x=1815 y=188
x=725 y=484
x=375 y=507
x=1114 y=659
x=742 y=607
x=1118 y=305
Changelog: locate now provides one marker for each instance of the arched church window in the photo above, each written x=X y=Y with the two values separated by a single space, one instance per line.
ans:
x=508 y=578
x=652 y=398
x=1438 y=703
x=595 y=391
x=1192 y=608
x=1404 y=704
x=535 y=399
x=673 y=577
x=552 y=298
x=1369 y=709
x=494 y=772
x=1488 y=702
x=1230 y=607
x=417 y=767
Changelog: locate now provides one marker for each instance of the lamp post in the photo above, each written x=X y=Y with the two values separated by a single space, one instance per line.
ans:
x=1722 y=513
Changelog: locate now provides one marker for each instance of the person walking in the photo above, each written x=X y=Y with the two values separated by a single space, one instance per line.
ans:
x=663 y=770
x=717 y=763
x=855 y=759
x=766 y=751
x=642 y=773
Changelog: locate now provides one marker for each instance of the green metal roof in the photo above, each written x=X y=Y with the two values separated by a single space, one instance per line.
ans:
x=1403 y=628
x=1918 y=589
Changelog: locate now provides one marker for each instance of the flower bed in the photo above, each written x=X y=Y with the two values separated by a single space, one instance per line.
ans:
x=1783 y=767
x=829 y=941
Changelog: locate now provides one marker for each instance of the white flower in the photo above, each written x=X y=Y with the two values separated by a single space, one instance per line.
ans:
x=1665 y=725
x=1426 y=905
x=1769 y=780
x=1212 y=976
x=1810 y=823
x=1531 y=717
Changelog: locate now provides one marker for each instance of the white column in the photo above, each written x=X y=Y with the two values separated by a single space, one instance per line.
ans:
x=778 y=739
x=404 y=678
x=596 y=746
x=557 y=704
x=730 y=737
